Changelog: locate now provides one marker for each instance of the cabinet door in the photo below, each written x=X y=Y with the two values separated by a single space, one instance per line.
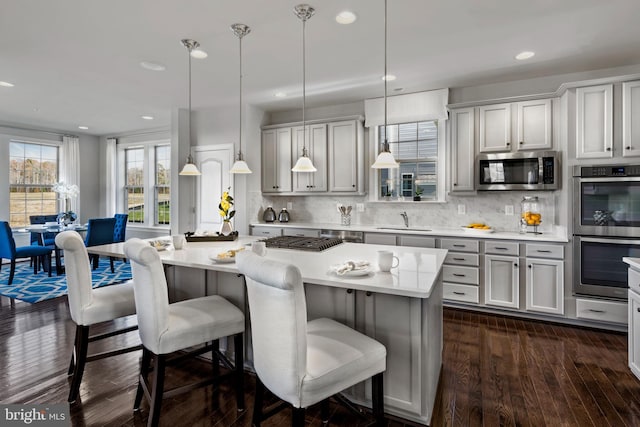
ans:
x=495 y=128
x=462 y=149
x=631 y=119
x=316 y=144
x=545 y=285
x=534 y=125
x=276 y=160
x=594 y=131
x=502 y=281
x=335 y=303
x=634 y=333
x=343 y=156
x=283 y=161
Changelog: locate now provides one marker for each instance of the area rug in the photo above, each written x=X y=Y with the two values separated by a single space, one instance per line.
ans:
x=33 y=288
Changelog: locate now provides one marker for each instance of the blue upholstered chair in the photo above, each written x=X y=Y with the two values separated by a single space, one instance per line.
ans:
x=8 y=250
x=99 y=232
x=119 y=231
x=46 y=239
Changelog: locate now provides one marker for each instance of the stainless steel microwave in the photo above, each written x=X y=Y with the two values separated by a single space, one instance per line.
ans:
x=535 y=170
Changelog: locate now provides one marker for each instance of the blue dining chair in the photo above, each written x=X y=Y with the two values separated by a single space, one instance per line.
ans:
x=119 y=231
x=8 y=250
x=99 y=232
x=46 y=239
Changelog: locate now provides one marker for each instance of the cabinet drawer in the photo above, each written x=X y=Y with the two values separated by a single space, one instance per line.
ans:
x=603 y=311
x=417 y=241
x=634 y=280
x=545 y=251
x=462 y=293
x=300 y=232
x=454 y=273
x=501 y=248
x=462 y=259
x=460 y=245
x=266 y=231
x=380 y=239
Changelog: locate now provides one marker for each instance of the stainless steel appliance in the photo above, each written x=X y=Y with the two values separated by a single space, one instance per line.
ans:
x=606 y=201
x=535 y=170
x=345 y=235
x=317 y=244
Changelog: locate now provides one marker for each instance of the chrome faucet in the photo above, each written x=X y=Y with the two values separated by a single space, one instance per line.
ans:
x=405 y=218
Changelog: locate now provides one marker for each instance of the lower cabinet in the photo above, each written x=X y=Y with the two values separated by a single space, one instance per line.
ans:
x=545 y=285
x=634 y=333
x=502 y=281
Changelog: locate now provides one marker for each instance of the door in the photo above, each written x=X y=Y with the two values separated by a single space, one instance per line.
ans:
x=214 y=163
x=631 y=119
x=343 y=156
x=276 y=160
x=502 y=281
x=316 y=144
x=534 y=125
x=462 y=149
x=594 y=135
x=495 y=128
x=545 y=285
x=634 y=333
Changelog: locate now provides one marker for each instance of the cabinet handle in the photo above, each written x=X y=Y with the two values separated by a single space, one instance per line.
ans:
x=273 y=186
x=500 y=248
x=458 y=259
x=349 y=291
x=515 y=265
x=593 y=310
x=608 y=148
x=544 y=251
x=459 y=246
x=521 y=142
x=530 y=266
x=455 y=184
x=368 y=293
x=300 y=235
x=265 y=232
x=459 y=275
x=638 y=309
x=508 y=144
x=463 y=293
x=628 y=147
x=353 y=185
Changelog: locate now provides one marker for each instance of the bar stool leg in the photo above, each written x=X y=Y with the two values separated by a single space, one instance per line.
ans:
x=298 y=417
x=144 y=372
x=81 y=347
x=377 y=394
x=157 y=388
x=238 y=341
x=257 y=404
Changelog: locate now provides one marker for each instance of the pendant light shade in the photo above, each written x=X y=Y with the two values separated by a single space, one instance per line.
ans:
x=385 y=159
x=304 y=164
x=190 y=168
x=240 y=166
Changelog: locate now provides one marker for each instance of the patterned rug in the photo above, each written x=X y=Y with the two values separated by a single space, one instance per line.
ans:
x=33 y=288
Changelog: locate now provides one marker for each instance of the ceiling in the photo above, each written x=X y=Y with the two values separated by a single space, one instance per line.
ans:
x=77 y=62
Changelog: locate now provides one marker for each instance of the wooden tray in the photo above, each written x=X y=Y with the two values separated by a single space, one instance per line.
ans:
x=213 y=238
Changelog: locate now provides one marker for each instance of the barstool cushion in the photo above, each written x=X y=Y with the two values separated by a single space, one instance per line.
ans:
x=108 y=303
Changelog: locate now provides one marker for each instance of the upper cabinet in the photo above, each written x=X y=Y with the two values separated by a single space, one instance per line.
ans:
x=462 y=149
x=532 y=127
x=594 y=122
x=631 y=119
x=316 y=143
x=335 y=148
x=276 y=160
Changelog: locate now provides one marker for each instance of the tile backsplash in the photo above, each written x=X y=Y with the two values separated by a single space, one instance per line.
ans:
x=486 y=207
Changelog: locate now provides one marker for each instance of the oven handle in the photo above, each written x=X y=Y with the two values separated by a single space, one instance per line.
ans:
x=608 y=240
x=609 y=179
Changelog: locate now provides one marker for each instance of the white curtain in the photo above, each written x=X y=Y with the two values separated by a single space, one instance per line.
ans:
x=70 y=167
x=110 y=176
x=411 y=107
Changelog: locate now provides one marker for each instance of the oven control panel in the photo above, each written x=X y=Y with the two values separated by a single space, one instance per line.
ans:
x=609 y=171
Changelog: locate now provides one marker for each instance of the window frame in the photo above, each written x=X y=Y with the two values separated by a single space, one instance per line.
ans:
x=149 y=181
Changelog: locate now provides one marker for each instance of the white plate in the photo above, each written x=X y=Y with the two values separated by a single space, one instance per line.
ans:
x=352 y=273
x=227 y=260
x=478 y=230
x=160 y=245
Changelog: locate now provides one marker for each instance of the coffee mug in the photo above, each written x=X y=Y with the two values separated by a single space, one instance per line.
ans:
x=259 y=248
x=178 y=241
x=385 y=260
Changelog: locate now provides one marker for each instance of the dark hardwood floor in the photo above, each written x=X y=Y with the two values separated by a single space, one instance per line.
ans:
x=496 y=371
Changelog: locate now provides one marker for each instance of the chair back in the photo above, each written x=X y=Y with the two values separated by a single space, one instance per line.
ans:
x=278 y=323
x=78 y=272
x=150 y=292
x=7 y=244
x=120 y=227
x=100 y=231
x=47 y=238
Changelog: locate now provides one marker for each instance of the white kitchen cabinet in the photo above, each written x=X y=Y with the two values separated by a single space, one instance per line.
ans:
x=380 y=239
x=266 y=231
x=334 y=303
x=461 y=272
x=545 y=285
x=462 y=149
x=502 y=281
x=276 y=160
x=634 y=333
x=594 y=122
x=343 y=156
x=534 y=125
x=495 y=128
x=416 y=241
x=601 y=310
x=631 y=119
x=300 y=232
x=316 y=144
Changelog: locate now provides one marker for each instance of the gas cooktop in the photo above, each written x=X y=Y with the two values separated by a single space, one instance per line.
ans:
x=317 y=244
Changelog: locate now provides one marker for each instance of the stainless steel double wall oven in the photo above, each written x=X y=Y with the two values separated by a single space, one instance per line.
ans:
x=606 y=227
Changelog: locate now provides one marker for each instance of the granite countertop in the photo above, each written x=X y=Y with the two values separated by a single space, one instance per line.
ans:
x=558 y=237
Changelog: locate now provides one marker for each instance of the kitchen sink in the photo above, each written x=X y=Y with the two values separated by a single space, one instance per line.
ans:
x=405 y=228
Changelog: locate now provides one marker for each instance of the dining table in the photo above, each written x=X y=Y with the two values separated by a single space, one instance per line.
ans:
x=42 y=229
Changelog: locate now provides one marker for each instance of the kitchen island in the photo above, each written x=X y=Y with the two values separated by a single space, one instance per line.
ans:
x=402 y=309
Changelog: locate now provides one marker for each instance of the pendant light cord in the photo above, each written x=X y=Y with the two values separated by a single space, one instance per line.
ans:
x=304 y=91
x=189 y=124
x=385 y=147
x=240 y=141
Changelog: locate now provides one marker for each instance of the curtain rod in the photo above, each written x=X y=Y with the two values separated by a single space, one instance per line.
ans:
x=36 y=130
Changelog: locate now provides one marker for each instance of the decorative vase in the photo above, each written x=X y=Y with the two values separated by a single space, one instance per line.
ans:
x=225 y=228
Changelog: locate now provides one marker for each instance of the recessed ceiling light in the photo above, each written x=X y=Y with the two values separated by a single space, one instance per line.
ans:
x=389 y=77
x=346 y=17
x=6 y=84
x=524 y=55
x=198 y=54
x=147 y=117
x=83 y=127
x=280 y=95
x=153 y=66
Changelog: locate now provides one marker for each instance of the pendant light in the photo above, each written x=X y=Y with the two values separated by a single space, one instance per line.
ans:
x=240 y=166
x=304 y=164
x=385 y=159
x=190 y=168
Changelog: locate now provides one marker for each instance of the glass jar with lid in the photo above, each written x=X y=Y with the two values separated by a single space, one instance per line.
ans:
x=530 y=217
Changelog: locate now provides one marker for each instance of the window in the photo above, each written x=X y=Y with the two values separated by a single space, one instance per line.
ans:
x=416 y=146
x=33 y=169
x=146 y=182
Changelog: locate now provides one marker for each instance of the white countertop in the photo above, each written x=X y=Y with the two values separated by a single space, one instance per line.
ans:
x=633 y=262
x=415 y=276
x=560 y=237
